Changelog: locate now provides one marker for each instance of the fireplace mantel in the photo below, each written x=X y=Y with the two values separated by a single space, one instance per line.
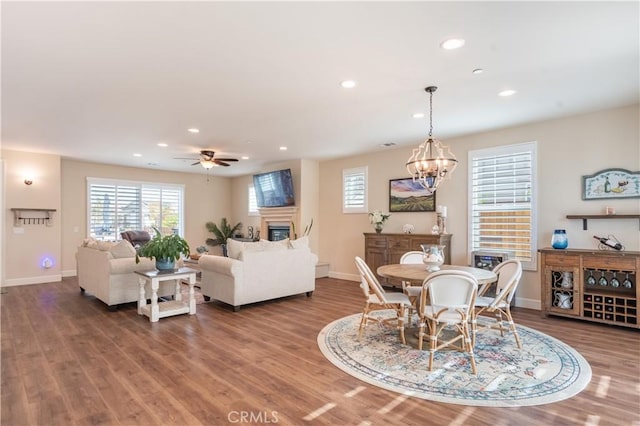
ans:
x=277 y=216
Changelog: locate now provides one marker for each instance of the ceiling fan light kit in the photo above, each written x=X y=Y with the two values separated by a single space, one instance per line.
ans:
x=209 y=160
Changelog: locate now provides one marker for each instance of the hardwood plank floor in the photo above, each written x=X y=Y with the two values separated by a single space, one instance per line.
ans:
x=66 y=360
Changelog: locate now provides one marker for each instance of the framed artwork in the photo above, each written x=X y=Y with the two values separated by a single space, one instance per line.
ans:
x=405 y=195
x=611 y=183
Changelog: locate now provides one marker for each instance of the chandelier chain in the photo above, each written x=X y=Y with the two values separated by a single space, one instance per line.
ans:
x=430 y=114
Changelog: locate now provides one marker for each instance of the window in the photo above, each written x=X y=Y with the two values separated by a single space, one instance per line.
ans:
x=502 y=201
x=115 y=206
x=354 y=190
x=253 y=202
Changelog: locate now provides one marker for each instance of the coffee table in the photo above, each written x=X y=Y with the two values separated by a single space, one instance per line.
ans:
x=156 y=310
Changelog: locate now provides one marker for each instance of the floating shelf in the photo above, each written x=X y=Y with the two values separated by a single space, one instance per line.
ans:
x=585 y=217
x=27 y=216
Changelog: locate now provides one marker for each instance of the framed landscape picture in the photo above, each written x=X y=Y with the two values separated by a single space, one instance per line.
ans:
x=405 y=195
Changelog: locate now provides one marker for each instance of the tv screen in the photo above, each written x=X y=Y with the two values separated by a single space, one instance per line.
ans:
x=274 y=189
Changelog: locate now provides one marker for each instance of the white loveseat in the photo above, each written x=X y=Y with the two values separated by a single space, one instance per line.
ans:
x=258 y=271
x=107 y=271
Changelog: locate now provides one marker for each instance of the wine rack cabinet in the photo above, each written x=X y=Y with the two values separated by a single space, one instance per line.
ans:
x=599 y=286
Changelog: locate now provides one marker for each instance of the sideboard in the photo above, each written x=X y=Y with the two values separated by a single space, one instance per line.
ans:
x=384 y=249
x=592 y=285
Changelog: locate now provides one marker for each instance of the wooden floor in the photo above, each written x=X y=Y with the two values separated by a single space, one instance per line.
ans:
x=66 y=360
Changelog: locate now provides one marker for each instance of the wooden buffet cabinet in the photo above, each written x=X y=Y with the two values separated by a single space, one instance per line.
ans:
x=593 y=285
x=384 y=249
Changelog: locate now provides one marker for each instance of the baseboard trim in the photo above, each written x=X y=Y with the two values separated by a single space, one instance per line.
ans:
x=343 y=276
x=32 y=280
x=69 y=273
x=521 y=302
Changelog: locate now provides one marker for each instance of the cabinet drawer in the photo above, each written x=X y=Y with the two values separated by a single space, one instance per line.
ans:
x=379 y=242
x=609 y=262
x=562 y=260
x=396 y=243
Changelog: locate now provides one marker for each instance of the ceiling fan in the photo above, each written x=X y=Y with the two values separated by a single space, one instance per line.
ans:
x=209 y=160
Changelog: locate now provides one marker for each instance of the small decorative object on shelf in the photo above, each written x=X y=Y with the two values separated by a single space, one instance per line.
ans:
x=559 y=239
x=377 y=218
x=408 y=228
x=608 y=242
x=567 y=280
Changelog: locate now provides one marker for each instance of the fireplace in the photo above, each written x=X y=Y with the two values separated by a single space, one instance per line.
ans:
x=277 y=232
x=276 y=221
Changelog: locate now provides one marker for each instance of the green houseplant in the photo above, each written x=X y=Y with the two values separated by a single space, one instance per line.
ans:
x=166 y=249
x=222 y=233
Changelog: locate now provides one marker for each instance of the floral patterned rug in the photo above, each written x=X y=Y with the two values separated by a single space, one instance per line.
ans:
x=545 y=370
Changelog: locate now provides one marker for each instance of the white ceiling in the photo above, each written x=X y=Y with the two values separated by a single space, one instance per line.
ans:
x=99 y=81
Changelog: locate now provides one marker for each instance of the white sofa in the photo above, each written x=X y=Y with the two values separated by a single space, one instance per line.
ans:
x=258 y=271
x=106 y=270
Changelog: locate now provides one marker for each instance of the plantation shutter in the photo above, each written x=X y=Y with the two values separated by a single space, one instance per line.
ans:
x=252 y=202
x=354 y=190
x=502 y=202
x=118 y=206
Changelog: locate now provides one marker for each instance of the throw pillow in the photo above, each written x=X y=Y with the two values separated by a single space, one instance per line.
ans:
x=301 y=242
x=234 y=248
x=90 y=243
x=122 y=249
x=274 y=245
x=105 y=245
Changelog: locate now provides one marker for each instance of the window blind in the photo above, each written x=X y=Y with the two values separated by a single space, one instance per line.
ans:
x=117 y=206
x=502 y=183
x=354 y=190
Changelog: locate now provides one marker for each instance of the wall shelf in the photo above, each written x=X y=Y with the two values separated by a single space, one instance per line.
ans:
x=585 y=217
x=28 y=216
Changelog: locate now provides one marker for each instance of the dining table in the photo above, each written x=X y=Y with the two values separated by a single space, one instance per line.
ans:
x=416 y=273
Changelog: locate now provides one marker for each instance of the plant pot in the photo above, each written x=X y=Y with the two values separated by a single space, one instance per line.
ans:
x=165 y=264
x=378 y=227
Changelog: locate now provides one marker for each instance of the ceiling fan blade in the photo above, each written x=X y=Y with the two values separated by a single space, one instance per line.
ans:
x=227 y=159
x=196 y=163
x=220 y=163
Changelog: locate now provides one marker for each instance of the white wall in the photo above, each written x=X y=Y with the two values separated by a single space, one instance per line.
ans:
x=568 y=148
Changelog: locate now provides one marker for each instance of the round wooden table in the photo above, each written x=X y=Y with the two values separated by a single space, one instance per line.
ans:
x=416 y=273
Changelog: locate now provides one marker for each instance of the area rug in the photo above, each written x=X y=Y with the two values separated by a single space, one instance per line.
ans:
x=545 y=370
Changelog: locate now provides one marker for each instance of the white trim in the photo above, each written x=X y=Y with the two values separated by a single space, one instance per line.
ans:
x=344 y=276
x=69 y=273
x=521 y=302
x=44 y=279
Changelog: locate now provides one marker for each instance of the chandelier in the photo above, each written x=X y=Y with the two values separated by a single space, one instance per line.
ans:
x=431 y=162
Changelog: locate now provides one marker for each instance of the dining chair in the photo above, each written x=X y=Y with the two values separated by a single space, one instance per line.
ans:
x=509 y=273
x=446 y=303
x=413 y=291
x=376 y=298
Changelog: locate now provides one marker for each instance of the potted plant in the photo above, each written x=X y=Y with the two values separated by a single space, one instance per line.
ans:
x=166 y=249
x=222 y=233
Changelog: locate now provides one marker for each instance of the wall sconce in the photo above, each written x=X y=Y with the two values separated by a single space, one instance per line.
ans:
x=28 y=181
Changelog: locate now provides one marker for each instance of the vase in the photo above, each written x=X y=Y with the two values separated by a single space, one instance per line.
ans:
x=559 y=239
x=432 y=256
x=165 y=264
x=378 y=227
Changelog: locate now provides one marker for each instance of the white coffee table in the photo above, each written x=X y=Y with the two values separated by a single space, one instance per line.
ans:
x=156 y=310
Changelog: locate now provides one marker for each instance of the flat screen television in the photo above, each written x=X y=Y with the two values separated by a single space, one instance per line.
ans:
x=274 y=189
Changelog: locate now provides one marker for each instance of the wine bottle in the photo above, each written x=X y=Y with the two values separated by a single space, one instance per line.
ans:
x=607 y=185
x=609 y=242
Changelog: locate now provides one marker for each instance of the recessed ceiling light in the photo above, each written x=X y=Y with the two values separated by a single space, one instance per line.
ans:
x=348 y=84
x=388 y=144
x=137 y=155
x=478 y=71
x=283 y=148
x=452 y=43
x=193 y=130
x=418 y=115
x=508 y=92
x=163 y=145
x=244 y=157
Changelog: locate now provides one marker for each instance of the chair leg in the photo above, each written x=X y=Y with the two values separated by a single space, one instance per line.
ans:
x=512 y=326
x=433 y=340
x=420 y=332
x=469 y=346
x=363 y=321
